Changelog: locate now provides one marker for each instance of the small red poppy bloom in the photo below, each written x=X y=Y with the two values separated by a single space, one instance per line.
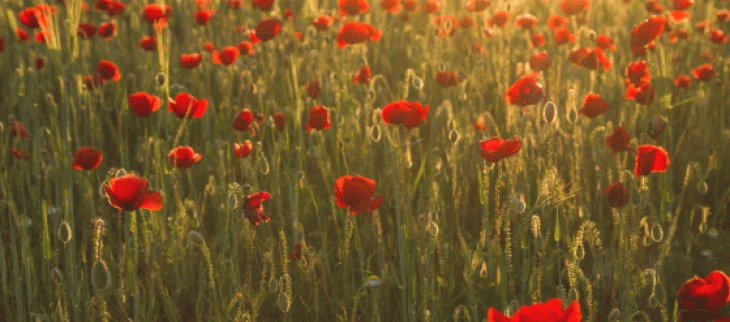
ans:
x=682 y=4
x=574 y=7
x=107 y=30
x=478 y=5
x=605 y=42
x=190 y=61
x=319 y=118
x=711 y=293
x=537 y=40
x=353 y=7
x=129 y=192
x=183 y=157
x=551 y=311
x=356 y=193
x=391 y=6
x=432 y=6
x=19 y=154
x=637 y=73
x=500 y=19
x=682 y=81
x=92 y=82
x=208 y=46
x=185 y=105
x=362 y=76
x=243 y=120
x=33 y=17
x=650 y=159
x=704 y=73
x=643 y=94
x=86 y=31
x=593 y=105
x=446 y=25
x=244 y=149
x=43 y=36
x=647 y=31
x=226 y=56
x=17 y=129
x=618 y=141
x=447 y=78
x=323 y=22
x=280 y=121
x=356 y=32
x=246 y=48
x=235 y=4
x=108 y=70
x=410 y=5
x=618 y=196
x=466 y=22
x=525 y=91
x=526 y=21
x=496 y=149
x=563 y=36
x=539 y=61
x=263 y=5
x=556 y=21
x=113 y=8
x=203 y=16
x=480 y=126
x=297 y=255
x=410 y=114
x=156 y=12
x=143 y=104
x=722 y=15
x=265 y=30
x=313 y=89
x=253 y=208
x=589 y=58
x=717 y=36
x=87 y=158
x=148 y=43
x=22 y=34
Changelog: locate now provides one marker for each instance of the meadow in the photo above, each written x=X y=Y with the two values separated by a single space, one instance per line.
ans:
x=364 y=160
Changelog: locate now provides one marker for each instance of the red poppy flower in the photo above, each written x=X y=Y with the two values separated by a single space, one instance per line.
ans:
x=356 y=32
x=323 y=22
x=480 y=126
x=718 y=36
x=593 y=105
x=108 y=70
x=110 y=7
x=391 y=6
x=410 y=5
x=190 y=61
x=2 y=44
x=356 y=193
x=644 y=94
x=574 y=7
x=432 y=6
x=682 y=81
x=319 y=118
x=203 y=16
x=637 y=73
x=447 y=78
x=563 y=36
x=92 y=82
x=551 y=311
x=246 y=48
x=243 y=120
x=525 y=21
x=556 y=21
x=362 y=76
x=107 y=30
x=704 y=73
x=34 y=17
x=43 y=36
x=19 y=154
x=235 y=4
x=650 y=159
x=22 y=34
x=446 y=25
x=618 y=196
x=410 y=114
x=208 y=46
x=148 y=43
x=722 y=15
x=253 y=209
x=185 y=105
x=156 y=12
x=647 y=31
x=679 y=16
x=17 y=129
x=183 y=157
x=129 y=192
x=353 y=7
x=496 y=149
x=500 y=19
x=313 y=89
x=265 y=30
x=297 y=255
x=86 y=31
x=226 y=56
x=87 y=158
x=711 y=293
x=40 y=62
x=589 y=58
x=243 y=150
x=618 y=141
x=466 y=22
x=605 y=42
x=143 y=104
x=478 y=5
x=279 y=121
x=539 y=61
x=682 y=4
x=263 y=5
x=537 y=40
x=525 y=91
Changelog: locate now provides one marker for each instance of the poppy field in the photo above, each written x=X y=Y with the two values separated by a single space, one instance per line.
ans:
x=364 y=160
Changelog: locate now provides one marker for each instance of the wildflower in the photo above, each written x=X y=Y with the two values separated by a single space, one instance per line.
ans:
x=190 y=61
x=550 y=311
x=183 y=157
x=637 y=73
x=148 y=43
x=108 y=70
x=650 y=159
x=718 y=36
x=226 y=56
x=353 y=7
x=704 y=73
x=537 y=40
x=356 y=193
x=356 y=33
x=107 y=30
x=17 y=129
x=605 y=42
x=253 y=209
x=618 y=141
x=263 y=5
x=279 y=121
x=539 y=61
x=129 y=192
x=590 y=58
x=593 y=105
x=478 y=5
x=525 y=91
x=323 y=22
x=143 y=104
x=410 y=114
x=265 y=30
x=556 y=21
x=391 y=6
x=19 y=154
x=319 y=118
x=86 y=31
x=362 y=76
x=643 y=94
x=525 y=21
x=447 y=78
x=244 y=149
x=185 y=105
x=297 y=254
x=87 y=158
x=563 y=36
x=432 y=6
x=313 y=89
x=496 y=149
x=242 y=121
x=500 y=19
x=618 y=196
x=22 y=34
x=682 y=81
x=647 y=31
x=574 y=7
x=203 y=16
x=709 y=294
x=156 y=12
x=35 y=17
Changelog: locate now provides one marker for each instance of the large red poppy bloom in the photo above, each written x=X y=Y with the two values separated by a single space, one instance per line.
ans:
x=647 y=31
x=410 y=114
x=265 y=30
x=478 y=5
x=244 y=149
x=353 y=7
x=643 y=94
x=650 y=159
x=129 y=192
x=186 y=105
x=183 y=157
x=552 y=311
x=618 y=196
x=155 y=12
x=203 y=16
x=637 y=73
x=618 y=141
x=574 y=7
x=108 y=70
x=190 y=61
x=525 y=91
x=319 y=118
x=36 y=17
x=243 y=120
x=540 y=61
x=107 y=30
x=226 y=56
x=447 y=78
x=500 y=19
x=356 y=193
x=711 y=293
x=356 y=32
x=253 y=208
x=526 y=21
x=263 y=5
x=704 y=73
x=593 y=105
x=362 y=76
x=143 y=104
x=496 y=149
x=87 y=158
x=589 y=58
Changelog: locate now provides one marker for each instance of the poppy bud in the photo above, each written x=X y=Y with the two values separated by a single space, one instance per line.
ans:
x=160 y=79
